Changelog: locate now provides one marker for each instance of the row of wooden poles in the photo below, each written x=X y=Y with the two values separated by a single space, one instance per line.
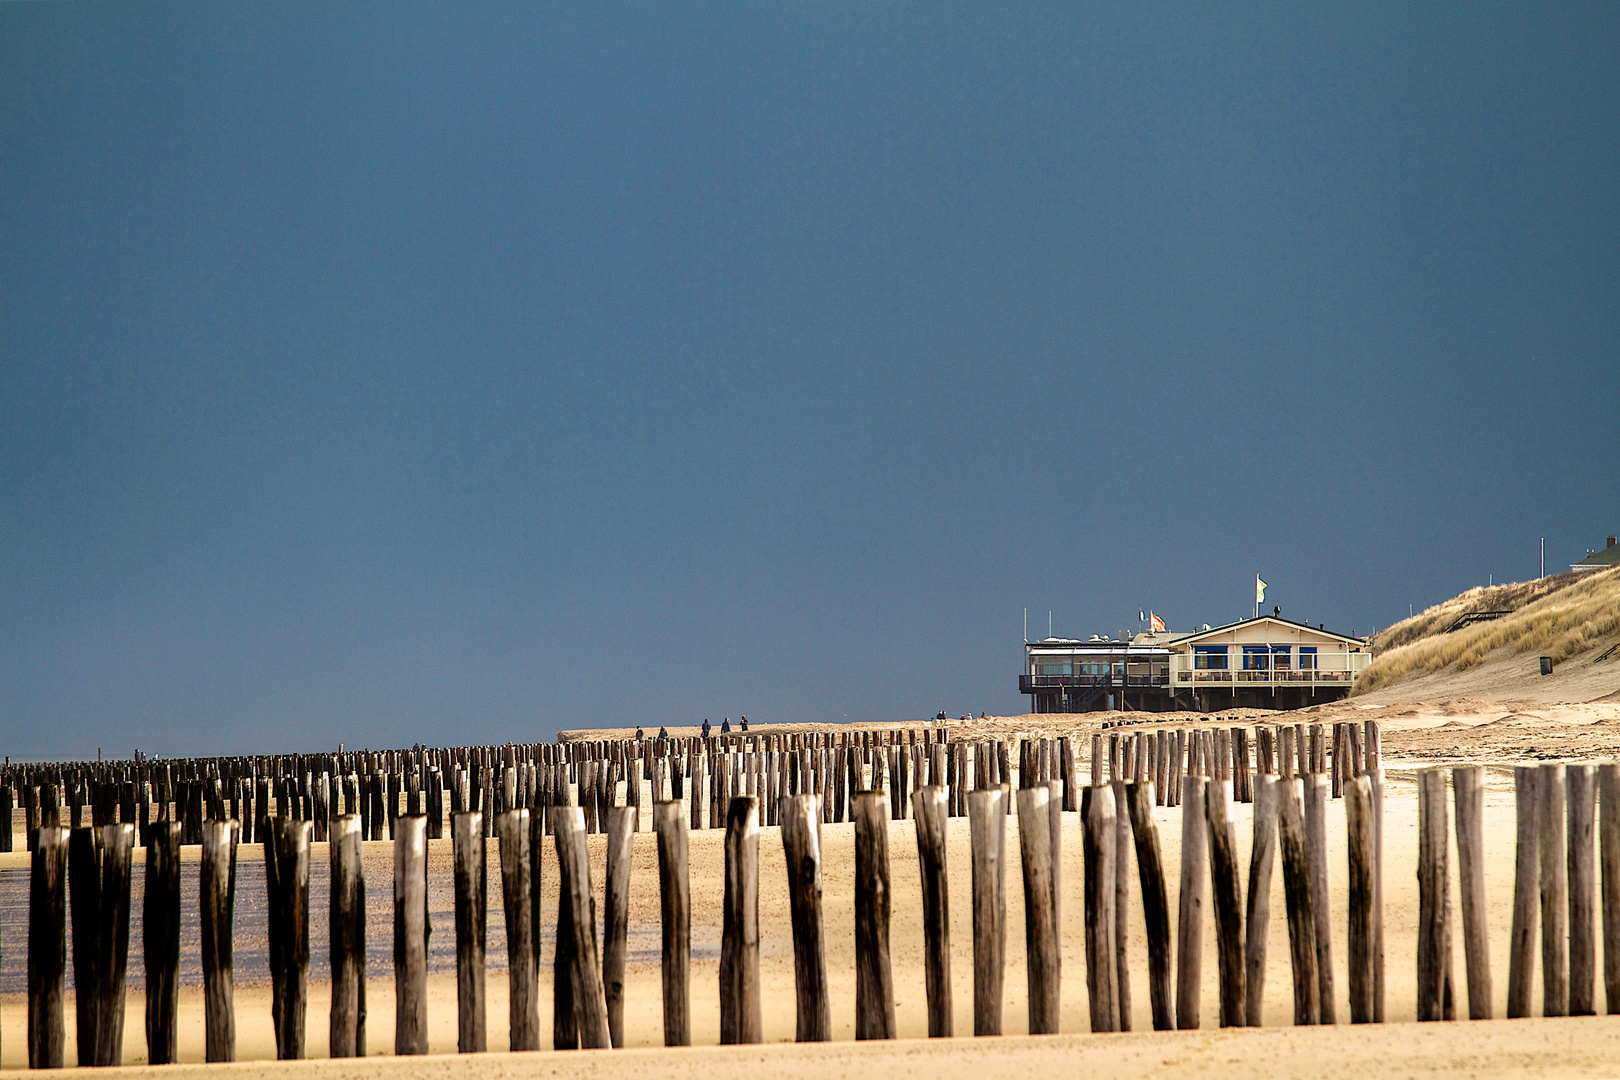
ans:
x=705 y=773
x=1554 y=882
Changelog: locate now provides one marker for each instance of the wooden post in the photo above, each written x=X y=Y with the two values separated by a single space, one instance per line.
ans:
x=1099 y=851
x=1190 y=922
x=99 y=881
x=1468 y=788
x=676 y=907
x=47 y=946
x=1582 y=808
x=1316 y=789
x=1055 y=828
x=574 y=893
x=621 y=829
x=741 y=1016
x=1040 y=923
x=218 y=902
x=1294 y=846
x=1066 y=766
x=1609 y=854
x=286 y=875
x=1122 y=904
x=1227 y=890
x=472 y=921
x=929 y=811
x=160 y=940
x=347 y=1029
x=987 y=830
x=1526 y=895
x=1258 y=915
x=801 y=843
x=874 y=981
x=411 y=931
x=515 y=837
x=539 y=829
x=1359 y=834
x=1155 y=903
x=1434 y=929
x=1554 y=893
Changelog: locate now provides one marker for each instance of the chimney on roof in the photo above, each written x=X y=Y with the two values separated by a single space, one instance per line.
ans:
x=1611 y=541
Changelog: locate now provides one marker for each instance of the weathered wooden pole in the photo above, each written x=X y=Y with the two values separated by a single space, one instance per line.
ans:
x=1155 y=903
x=217 y=907
x=1358 y=815
x=1526 y=893
x=470 y=870
x=99 y=883
x=1294 y=846
x=1581 y=791
x=1468 y=789
x=411 y=931
x=1190 y=921
x=1099 y=851
x=514 y=831
x=1609 y=853
x=574 y=892
x=987 y=830
x=621 y=829
x=47 y=946
x=1262 y=854
x=801 y=844
x=676 y=917
x=286 y=875
x=929 y=811
x=1040 y=916
x=1554 y=893
x=1122 y=901
x=741 y=1010
x=874 y=981
x=1227 y=890
x=1316 y=800
x=347 y=926
x=160 y=940
x=1434 y=922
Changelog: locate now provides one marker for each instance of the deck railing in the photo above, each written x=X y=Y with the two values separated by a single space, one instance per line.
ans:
x=1330 y=669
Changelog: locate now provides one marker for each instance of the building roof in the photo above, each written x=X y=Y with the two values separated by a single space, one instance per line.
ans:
x=1100 y=645
x=1187 y=639
x=1597 y=560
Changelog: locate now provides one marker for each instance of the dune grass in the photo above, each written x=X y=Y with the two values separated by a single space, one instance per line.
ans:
x=1510 y=596
x=1561 y=622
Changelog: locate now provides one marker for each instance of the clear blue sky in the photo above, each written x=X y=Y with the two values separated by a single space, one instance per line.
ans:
x=393 y=372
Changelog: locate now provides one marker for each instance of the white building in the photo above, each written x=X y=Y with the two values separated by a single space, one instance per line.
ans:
x=1267 y=662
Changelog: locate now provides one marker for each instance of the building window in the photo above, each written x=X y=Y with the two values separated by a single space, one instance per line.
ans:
x=1281 y=657
x=1052 y=665
x=1307 y=658
x=1209 y=657
x=1254 y=657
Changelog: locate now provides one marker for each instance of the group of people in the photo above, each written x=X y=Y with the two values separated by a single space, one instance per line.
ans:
x=725 y=729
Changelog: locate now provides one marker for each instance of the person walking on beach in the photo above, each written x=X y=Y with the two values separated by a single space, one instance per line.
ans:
x=745 y=723
x=639 y=733
x=663 y=733
x=705 y=727
x=725 y=726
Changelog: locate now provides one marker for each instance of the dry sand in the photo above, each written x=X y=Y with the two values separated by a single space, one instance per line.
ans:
x=1493 y=733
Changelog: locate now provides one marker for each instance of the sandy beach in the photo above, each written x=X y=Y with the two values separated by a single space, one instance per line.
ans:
x=1494 y=734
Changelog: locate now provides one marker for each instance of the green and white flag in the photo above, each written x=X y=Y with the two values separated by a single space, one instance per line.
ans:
x=1259 y=590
